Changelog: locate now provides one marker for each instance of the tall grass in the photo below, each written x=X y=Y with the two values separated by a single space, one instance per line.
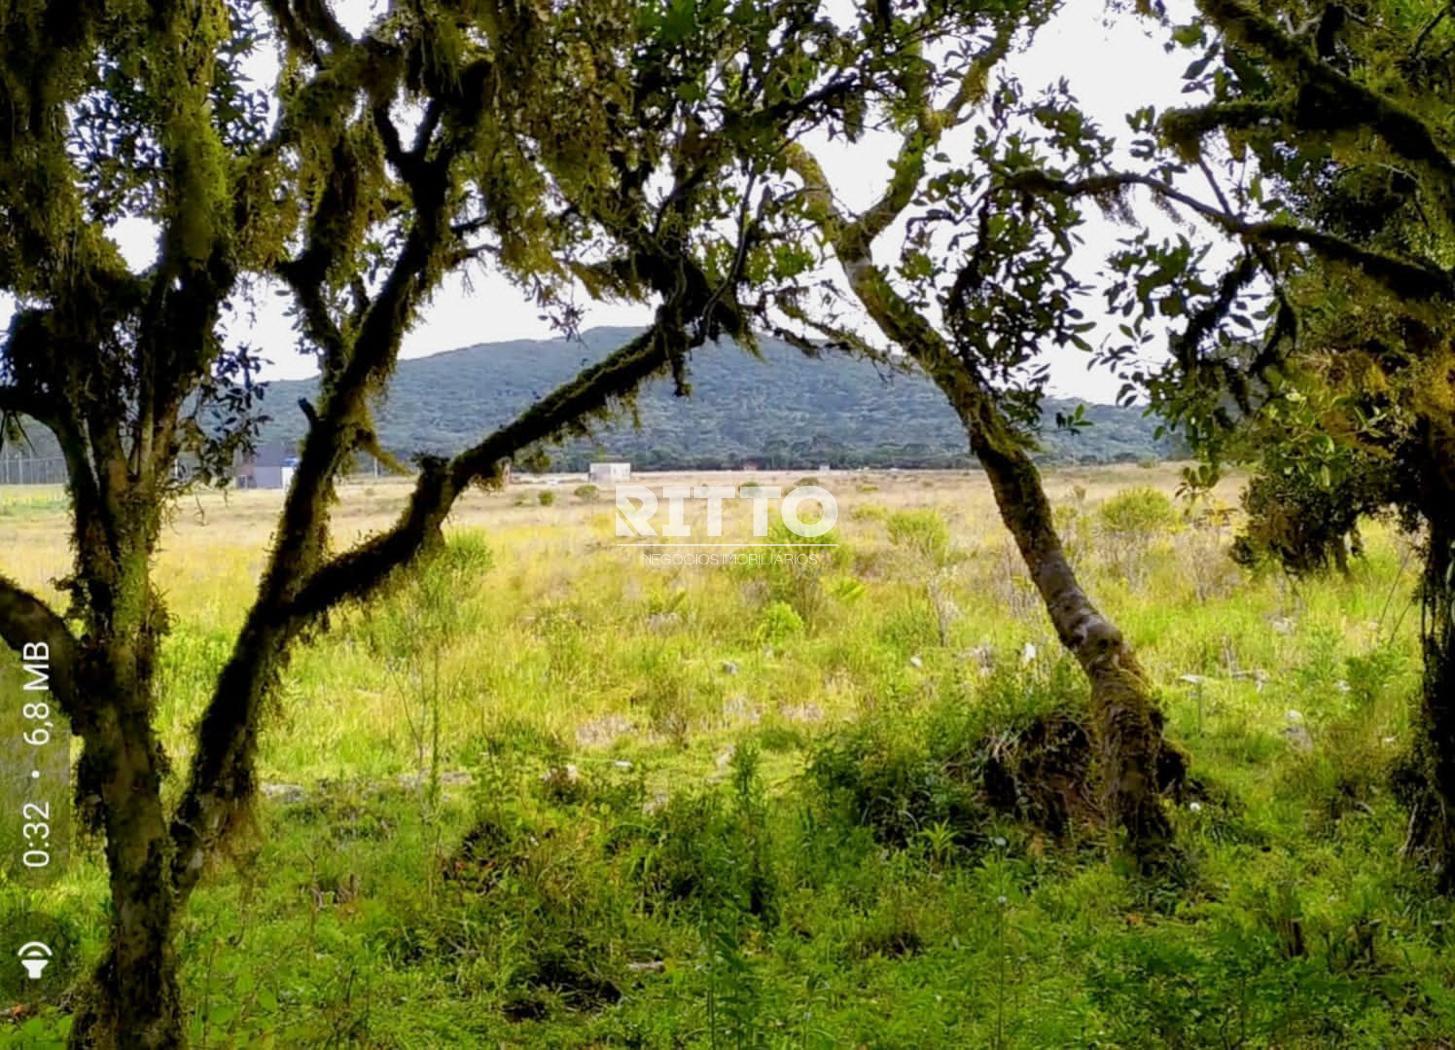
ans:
x=544 y=794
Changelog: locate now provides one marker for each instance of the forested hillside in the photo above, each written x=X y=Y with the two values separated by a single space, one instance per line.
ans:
x=785 y=410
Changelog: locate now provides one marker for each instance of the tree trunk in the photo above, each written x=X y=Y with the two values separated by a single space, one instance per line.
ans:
x=133 y=1000
x=1426 y=783
x=1135 y=764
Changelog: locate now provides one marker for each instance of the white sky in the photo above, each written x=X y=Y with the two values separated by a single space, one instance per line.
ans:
x=1113 y=69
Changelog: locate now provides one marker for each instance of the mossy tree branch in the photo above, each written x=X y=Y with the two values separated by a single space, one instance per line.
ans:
x=1328 y=99
x=356 y=574
x=300 y=585
x=1413 y=279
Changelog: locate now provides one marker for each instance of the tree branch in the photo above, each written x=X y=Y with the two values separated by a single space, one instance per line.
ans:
x=908 y=166
x=222 y=776
x=1429 y=28
x=1013 y=476
x=307 y=22
x=1407 y=278
x=355 y=574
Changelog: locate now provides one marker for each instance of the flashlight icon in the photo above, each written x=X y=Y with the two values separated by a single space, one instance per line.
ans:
x=34 y=956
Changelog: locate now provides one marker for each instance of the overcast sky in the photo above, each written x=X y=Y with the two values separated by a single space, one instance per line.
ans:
x=1113 y=69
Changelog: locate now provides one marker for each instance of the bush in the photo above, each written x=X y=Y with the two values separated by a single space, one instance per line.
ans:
x=1139 y=514
x=710 y=852
x=546 y=498
x=1130 y=521
x=1017 y=750
x=420 y=615
x=882 y=772
x=794 y=570
x=1304 y=525
x=587 y=493
x=778 y=622
x=923 y=532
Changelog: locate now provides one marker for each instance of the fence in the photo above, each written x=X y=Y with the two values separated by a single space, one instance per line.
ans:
x=17 y=469
x=31 y=470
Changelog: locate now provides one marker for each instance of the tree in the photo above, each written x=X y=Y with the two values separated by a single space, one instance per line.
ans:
x=982 y=285
x=604 y=142
x=1304 y=505
x=1322 y=137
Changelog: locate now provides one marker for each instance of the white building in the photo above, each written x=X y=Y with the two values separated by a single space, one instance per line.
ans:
x=609 y=473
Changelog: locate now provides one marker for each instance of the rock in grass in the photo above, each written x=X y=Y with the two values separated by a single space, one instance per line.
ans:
x=600 y=732
x=284 y=794
x=1298 y=737
x=739 y=708
x=449 y=778
x=982 y=655
x=563 y=784
x=802 y=712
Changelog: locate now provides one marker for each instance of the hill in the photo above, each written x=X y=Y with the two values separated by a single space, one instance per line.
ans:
x=784 y=410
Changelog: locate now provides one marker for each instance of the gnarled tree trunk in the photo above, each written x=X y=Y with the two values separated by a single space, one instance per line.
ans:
x=134 y=1000
x=1426 y=781
x=1135 y=763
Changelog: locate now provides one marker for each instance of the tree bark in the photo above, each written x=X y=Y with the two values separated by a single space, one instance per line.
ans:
x=1426 y=783
x=133 y=1000
x=1437 y=695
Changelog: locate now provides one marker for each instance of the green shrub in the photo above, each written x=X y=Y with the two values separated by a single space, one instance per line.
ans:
x=956 y=768
x=707 y=851
x=887 y=781
x=587 y=493
x=418 y=618
x=1130 y=522
x=546 y=498
x=1304 y=525
x=792 y=569
x=778 y=622
x=923 y=533
x=1139 y=513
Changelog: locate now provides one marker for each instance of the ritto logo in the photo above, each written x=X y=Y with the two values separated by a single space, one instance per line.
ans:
x=808 y=513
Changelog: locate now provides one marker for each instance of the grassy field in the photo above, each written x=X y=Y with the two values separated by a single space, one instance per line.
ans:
x=547 y=794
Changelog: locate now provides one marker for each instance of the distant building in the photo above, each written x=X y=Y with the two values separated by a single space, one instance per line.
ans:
x=269 y=467
x=609 y=473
